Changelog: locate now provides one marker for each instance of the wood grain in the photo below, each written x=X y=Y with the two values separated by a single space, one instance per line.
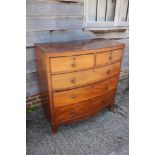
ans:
x=46 y=36
x=110 y=14
x=51 y=8
x=63 y=64
x=58 y=1
x=53 y=23
x=124 y=10
x=31 y=66
x=30 y=53
x=92 y=10
x=101 y=10
x=76 y=79
x=33 y=37
x=108 y=57
x=71 y=112
x=42 y=77
x=32 y=87
x=91 y=89
x=68 y=97
x=81 y=45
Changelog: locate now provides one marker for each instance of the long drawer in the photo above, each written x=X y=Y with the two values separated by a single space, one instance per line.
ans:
x=71 y=80
x=71 y=63
x=76 y=110
x=84 y=93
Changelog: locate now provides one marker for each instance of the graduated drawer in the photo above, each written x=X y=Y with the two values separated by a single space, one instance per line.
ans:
x=84 y=93
x=74 y=111
x=71 y=63
x=70 y=80
x=108 y=57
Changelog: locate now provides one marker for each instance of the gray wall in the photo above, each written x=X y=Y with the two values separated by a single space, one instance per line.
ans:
x=55 y=21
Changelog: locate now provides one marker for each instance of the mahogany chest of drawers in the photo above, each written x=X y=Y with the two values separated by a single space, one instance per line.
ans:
x=78 y=79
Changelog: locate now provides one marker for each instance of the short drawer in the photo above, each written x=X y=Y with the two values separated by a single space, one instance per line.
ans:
x=72 y=63
x=79 y=109
x=71 y=80
x=108 y=57
x=69 y=97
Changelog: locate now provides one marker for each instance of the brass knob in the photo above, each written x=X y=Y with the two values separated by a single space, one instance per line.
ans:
x=72 y=112
x=110 y=57
x=72 y=96
x=106 y=87
x=73 y=64
x=73 y=80
x=108 y=71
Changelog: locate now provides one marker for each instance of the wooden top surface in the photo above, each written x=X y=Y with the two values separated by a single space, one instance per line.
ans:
x=79 y=45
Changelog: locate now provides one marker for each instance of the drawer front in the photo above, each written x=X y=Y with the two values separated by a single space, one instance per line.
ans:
x=71 y=80
x=108 y=57
x=76 y=110
x=84 y=93
x=73 y=63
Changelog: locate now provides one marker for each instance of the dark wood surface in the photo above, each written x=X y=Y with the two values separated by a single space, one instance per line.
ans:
x=79 y=45
x=78 y=78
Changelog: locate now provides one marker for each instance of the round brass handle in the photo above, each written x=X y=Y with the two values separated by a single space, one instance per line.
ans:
x=92 y=86
x=72 y=97
x=106 y=87
x=108 y=71
x=110 y=57
x=72 y=112
x=73 y=80
x=73 y=64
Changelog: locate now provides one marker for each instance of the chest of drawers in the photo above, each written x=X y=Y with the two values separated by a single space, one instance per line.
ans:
x=78 y=79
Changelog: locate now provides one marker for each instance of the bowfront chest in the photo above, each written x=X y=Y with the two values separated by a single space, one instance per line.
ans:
x=78 y=79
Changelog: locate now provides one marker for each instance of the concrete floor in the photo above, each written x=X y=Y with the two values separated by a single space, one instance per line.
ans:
x=107 y=133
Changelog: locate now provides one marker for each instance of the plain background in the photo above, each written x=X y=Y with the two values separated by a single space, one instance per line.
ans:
x=13 y=77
